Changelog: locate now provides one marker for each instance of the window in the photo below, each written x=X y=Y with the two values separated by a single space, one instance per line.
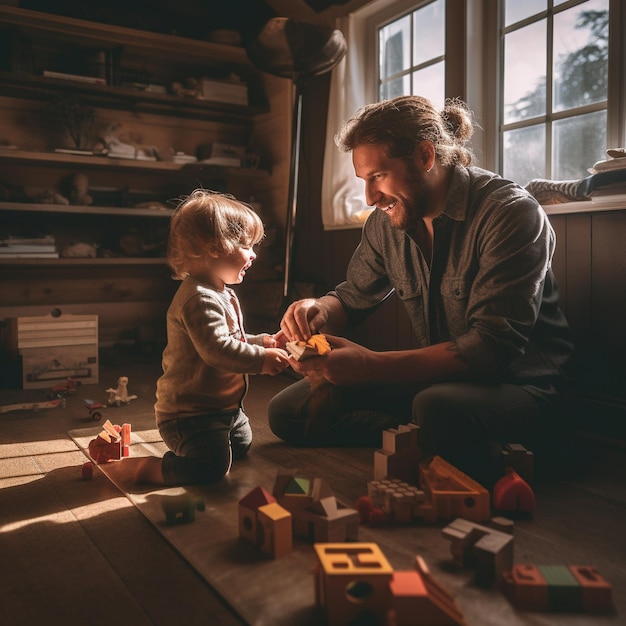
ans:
x=555 y=62
x=545 y=79
x=411 y=51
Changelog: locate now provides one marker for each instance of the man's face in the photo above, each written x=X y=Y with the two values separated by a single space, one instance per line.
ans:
x=394 y=186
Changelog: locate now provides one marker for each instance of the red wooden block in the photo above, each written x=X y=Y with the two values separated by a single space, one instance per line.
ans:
x=87 y=470
x=596 y=592
x=513 y=493
x=526 y=588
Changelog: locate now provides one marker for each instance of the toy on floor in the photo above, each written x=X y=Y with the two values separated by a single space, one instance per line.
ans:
x=573 y=588
x=316 y=345
x=120 y=395
x=400 y=455
x=354 y=582
x=110 y=443
x=516 y=457
x=317 y=515
x=444 y=492
x=181 y=509
x=487 y=550
x=86 y=470
x=95 y=409
x=66 y=388
x=265 y=523
x=33 y=405
x=513 y=494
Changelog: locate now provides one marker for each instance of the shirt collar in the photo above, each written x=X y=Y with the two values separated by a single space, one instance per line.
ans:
x=458 y=194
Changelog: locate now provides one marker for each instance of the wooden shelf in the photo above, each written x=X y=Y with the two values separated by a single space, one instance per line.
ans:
x=23 y=85
x=82 y=210
x=60 y=262
x=104 y=162
x=94 y=34
x=216 y=58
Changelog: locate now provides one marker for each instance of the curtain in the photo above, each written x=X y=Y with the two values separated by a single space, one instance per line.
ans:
x=343 y=194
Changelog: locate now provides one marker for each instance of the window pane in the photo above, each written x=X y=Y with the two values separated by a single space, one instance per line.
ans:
x=524 y=72
x=395 y=42
x=525 y=154
x=514 y=10
x=578 y=142
x=430 y=83
x=429 y=38
x=397 y=87
x=581 y=55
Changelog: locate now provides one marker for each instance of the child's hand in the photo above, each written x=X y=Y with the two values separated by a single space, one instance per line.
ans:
x=277 y=340
x=276 y=360
x=269 y=341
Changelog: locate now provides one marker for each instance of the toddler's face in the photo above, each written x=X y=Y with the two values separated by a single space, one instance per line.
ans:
x=231 y=269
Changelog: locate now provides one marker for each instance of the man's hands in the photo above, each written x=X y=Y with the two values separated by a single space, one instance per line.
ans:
x=303 y=318
x=347 y=363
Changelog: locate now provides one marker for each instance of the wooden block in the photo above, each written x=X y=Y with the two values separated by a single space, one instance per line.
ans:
x=275 y=530
x=351 y=578
x=564 y=592
x=526 y=587
x=596 y=592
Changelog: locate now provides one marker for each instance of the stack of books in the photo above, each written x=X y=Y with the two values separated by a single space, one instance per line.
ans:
x=28 y=248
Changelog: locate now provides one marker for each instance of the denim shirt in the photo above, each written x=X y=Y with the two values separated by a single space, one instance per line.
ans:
x=489 y=287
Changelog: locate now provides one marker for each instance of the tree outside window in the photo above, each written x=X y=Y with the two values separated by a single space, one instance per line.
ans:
x=555 y=77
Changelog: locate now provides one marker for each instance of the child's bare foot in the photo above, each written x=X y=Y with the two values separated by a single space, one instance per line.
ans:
x=148 y=470
x=140 y=469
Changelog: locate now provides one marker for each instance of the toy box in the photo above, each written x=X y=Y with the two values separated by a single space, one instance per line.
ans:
x=52 y=348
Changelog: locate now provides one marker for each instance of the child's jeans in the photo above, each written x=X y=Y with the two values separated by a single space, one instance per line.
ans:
x=203 y=447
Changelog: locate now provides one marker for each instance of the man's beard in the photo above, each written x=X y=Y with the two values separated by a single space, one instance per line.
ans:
x=412 y=208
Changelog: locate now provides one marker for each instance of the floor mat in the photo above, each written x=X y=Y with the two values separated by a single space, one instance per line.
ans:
x=263 y=591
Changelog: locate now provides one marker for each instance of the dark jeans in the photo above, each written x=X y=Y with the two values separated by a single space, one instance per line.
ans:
x=465 y=423
x=203 y=447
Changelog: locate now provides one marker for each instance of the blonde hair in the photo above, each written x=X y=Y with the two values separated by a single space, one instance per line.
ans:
x=210 y=223
x=400 y=124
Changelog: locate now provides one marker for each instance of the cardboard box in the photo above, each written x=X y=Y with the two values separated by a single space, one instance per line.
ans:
x=52 y=349
x=229 y=91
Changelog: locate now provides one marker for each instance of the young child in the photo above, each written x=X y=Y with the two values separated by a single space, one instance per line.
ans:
x=199 y=407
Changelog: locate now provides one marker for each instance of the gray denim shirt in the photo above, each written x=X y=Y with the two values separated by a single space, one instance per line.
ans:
x=490 y=286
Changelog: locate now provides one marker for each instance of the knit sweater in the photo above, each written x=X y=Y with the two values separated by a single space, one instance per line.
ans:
x=208 y=353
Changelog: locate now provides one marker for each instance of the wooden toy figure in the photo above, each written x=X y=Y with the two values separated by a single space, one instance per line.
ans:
x=119 y=395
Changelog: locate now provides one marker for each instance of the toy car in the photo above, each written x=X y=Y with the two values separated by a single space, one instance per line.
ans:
x=95 y=409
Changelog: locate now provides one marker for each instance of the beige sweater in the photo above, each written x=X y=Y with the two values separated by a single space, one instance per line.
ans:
x=208 y=353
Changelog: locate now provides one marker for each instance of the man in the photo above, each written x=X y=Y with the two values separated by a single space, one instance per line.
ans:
x=469 y=254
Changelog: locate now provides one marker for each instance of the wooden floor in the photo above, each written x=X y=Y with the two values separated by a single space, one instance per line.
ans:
x=79 y=553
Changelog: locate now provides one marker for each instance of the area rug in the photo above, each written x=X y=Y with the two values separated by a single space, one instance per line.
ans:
x=263 y=591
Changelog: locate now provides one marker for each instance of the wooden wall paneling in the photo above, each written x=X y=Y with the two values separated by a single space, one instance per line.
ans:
x=55 y=285
x=271 y=140
x=578 y=276
x=608 y=293
x=123 y=296
x=559 y=260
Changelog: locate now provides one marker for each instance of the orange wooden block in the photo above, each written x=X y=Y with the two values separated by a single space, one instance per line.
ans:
x=596 y=592
x=352 y=579
x=526 y=588
x=274 y=530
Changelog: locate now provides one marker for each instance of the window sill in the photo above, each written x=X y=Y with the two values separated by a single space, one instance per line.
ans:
x=587 y=206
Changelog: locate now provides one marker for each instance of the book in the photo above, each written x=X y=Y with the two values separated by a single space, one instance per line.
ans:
x=46 y=240
x=26 y=248
x=92 y=80
x=29 y=255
